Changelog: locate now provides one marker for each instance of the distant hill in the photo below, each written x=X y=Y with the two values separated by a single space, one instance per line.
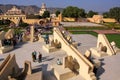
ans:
x=53 y=10
x=1 y=11
x=31 y=9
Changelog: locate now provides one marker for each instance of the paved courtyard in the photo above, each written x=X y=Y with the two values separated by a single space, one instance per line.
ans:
x=86 y=42
x=108 y=71
x=24 y=52
x=79 y=24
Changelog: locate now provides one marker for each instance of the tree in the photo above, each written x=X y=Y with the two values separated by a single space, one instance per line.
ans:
x=22 y=24
x=82 y=13
x=5 y=22
x=115 y=13
x=73 y=12
x=46 y=14
x=106 y=14
x=57 y=13
x=91 y=13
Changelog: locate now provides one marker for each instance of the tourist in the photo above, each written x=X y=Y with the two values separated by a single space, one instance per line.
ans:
x=14 y=42
x=47 y=39
x=34 y=56
x=59 y=62
x=40 y=57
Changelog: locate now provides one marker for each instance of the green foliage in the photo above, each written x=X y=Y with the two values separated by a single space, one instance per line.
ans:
x=5 y=22
x=106 y=14
x=82 y=13
x=114 y=37
x=57 y=13
x=22 y=24
x=115 y=13
x=46 y=14
x=32 y=16
x=73 y=12
x=18 y=30
x=85 y=28
x=91 y=13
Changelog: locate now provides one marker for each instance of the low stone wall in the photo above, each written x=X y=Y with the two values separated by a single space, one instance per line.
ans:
x=9 y=67
x=5 y=49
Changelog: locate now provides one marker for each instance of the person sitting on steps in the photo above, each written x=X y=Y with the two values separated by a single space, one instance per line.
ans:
x=59 y=62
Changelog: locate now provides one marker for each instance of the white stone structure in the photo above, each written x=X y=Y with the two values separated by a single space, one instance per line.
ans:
x=53 y=15
x=43 y=9
x=14 y=11
x=84 y=66
x=104 y=48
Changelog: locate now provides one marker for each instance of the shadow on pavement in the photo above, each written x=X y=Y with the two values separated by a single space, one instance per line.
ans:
x=100 y=70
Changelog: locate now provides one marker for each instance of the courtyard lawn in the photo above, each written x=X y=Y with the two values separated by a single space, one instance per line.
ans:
x=114 y=37
x=85 y=28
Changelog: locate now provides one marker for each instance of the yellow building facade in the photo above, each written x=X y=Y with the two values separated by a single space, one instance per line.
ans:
x=100 y=19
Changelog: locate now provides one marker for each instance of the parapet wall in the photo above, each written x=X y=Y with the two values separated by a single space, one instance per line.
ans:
x=9 y=67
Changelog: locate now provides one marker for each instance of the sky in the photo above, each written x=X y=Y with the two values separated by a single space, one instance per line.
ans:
x=95 y=5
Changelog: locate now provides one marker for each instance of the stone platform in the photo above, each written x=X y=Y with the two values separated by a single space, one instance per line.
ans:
x=62 y=73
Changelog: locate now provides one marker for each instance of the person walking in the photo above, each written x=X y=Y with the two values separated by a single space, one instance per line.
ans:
x=47 y=39
x=33 y=58
x=35 y=54
x=59 y=62
x=40 y=57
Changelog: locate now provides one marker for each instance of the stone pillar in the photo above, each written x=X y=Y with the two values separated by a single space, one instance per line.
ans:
x=64 y=62
x=41 y=39
x=31 y=33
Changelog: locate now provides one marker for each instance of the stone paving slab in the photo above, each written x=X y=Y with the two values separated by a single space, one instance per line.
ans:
x=80 y=24
x=110 y=69
x=86 y=41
